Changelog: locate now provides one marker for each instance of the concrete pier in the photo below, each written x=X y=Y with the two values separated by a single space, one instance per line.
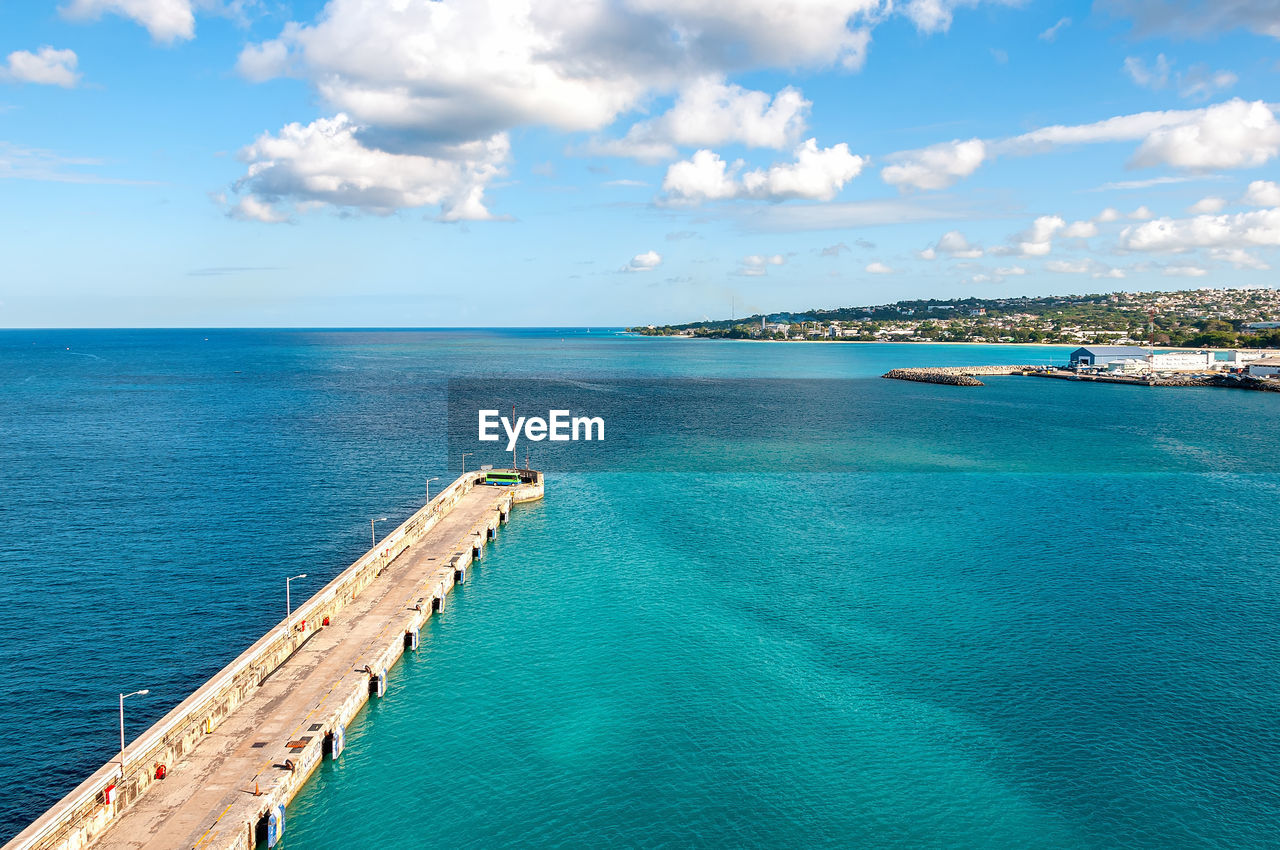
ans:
x=236 y=751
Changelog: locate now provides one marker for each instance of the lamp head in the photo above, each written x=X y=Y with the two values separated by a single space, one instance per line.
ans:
x=144 y=692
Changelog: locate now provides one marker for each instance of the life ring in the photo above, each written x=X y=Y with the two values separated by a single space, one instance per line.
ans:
x=161 y=771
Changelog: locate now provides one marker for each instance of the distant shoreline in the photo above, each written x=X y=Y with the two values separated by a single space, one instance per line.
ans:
x=941 y=342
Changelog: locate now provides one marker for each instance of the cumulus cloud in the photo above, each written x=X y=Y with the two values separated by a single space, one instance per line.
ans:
x=816 y=174
x=1107 y=215
x=1037 y=240
x=1010 y=271
x=48 y=66
x=646 y=262
x=1235 y=134
x=1232 y=134
x=1258 y=228
x=757 y=265
x=936 y=15
x=1080 y=230
x=324 y=163
x=935 y=167
x=1208 y=205
x=954 y=244
x=712 y=112
x=167 y=20
x=1051 y=34
x=878 y=267
x=1093 y=268
x=1141 y=214
x=1184 y=271
x=455 y=69
x=1238 y=258
x=1262 y=193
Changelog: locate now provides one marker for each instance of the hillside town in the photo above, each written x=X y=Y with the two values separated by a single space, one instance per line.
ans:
x=1201 y=318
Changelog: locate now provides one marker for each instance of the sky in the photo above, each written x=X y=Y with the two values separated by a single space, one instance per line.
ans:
x=438 y=163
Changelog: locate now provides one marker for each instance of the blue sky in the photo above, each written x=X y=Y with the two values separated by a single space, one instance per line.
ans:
x=405 y=163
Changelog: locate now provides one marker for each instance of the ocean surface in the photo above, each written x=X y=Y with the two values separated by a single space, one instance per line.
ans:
x=784 y=604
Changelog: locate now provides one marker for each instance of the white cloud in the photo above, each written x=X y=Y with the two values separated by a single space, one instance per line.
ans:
x=47 y=66
x=646 y=262
x=1155 y=77
x=1080 y=230
x=1232 y=134
x=1141 y=214
x=1068 y=266
x=1235 y=134
x=1051 y=34
x=702 y=177
x=1262 y=193
x=1207 y=205
x=878 y=268
x=1257 y=228
x=250 y=208
x=816 y=174
x=1184 y=271
x=1010 y=271
x=1238 y=258
x=1093 y=268
x=711 y=112
x=757 y=265
x=325 y=163
x=935 y=167
x=954 y=244
x=936 y=15
x=166 y=20
x=1107 y=215
x=1038 y=239
x=466 y=69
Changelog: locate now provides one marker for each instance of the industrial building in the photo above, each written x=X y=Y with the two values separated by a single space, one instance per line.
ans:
x=1102 y=355
x=1267 y=367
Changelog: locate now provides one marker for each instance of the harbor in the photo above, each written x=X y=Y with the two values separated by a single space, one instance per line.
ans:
x=217 y=772
x=1249 y=370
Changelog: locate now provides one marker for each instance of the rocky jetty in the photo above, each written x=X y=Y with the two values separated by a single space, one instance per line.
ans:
x=955 y=376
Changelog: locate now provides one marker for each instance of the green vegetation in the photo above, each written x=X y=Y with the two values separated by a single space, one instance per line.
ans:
x=1205 y=318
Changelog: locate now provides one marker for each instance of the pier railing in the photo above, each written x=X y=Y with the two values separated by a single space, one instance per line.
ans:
x=80 y=816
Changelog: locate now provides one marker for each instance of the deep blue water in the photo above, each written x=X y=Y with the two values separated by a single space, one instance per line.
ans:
x=786 y=603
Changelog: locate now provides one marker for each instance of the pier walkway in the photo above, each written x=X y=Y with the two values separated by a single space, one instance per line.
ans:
x=230 y=789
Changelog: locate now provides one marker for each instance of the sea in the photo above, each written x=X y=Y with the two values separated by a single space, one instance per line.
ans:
x=783 y=603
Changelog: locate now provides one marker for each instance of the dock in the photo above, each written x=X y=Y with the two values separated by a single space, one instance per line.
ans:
x=218 y=770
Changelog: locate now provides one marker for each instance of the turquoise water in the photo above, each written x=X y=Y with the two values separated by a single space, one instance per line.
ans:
x=790 y=604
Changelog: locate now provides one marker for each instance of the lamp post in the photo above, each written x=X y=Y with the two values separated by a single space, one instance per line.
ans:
x=288 y=604
x=429 y=480
x=372 y=532
x=140 y=693
x=465 y=455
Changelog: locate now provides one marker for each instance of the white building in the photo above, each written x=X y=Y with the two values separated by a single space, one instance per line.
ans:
x=1267 y=367
x=1175 y=361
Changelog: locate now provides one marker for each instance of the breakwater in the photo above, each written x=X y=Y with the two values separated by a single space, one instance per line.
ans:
x=217 y=771
x=956 y=376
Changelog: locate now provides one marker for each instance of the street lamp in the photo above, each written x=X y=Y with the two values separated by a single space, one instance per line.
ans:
x=288 y=604
x=372 y=532
x=140 y=693
x=429 y=480
x=465 y=455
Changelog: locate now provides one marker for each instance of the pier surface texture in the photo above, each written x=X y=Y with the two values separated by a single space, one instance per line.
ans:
x=212 y=772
